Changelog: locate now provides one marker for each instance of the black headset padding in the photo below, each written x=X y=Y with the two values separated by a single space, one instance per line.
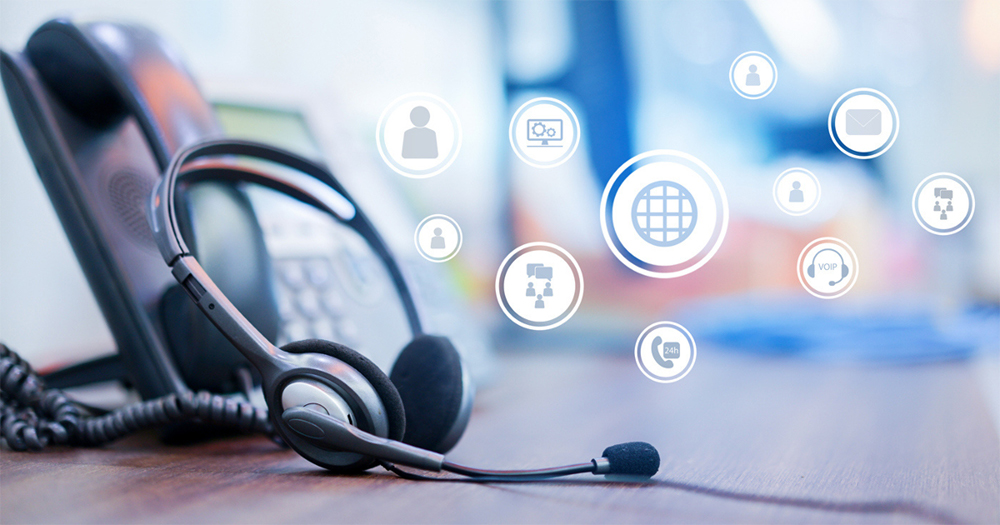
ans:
x=383 y=386
x=428 y=376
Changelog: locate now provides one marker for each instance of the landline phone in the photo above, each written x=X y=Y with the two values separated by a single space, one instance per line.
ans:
x=111 y=120
x=103 y=108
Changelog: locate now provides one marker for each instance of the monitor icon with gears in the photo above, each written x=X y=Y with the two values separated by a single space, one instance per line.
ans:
x=545 y=133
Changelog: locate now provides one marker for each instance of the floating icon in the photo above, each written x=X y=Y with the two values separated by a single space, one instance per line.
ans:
x=664 y=214
x=796 y=195
x=845 y=270
x=539 y=286
x=753 y=75
x=943 y=203
x=828 y=268
x=863 y=123
x=539 y=271
x=943 y=193
x=420 y=142
x=438 y=238
x=418 y=135
x=665 y=352
x=544 y=132
x=796 y=191
x=437 y=241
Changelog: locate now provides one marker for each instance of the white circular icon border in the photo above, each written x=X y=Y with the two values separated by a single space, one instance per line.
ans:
x=972 y=203
x=420 y=250
x=832 y=127
x=524 y=107
x=501 y=274
x=782 y=175
x=732 y=70
x=380 y=129
x=642 y=337
x=711 y=177
x=854 y=261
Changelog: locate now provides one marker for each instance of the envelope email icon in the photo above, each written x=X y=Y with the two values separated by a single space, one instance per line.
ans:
x=864 y=122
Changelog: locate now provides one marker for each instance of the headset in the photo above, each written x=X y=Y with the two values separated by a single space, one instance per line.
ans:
x=327 y=402
x=428 y=396
x=844 y=270
x=330 y=404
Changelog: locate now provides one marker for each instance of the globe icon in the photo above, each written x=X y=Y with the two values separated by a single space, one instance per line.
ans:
x=664 y=213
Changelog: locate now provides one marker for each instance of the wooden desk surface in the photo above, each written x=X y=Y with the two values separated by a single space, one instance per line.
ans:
x=741 y=439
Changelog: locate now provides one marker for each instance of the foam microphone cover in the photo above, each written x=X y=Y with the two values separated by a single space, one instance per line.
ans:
x=632 y=459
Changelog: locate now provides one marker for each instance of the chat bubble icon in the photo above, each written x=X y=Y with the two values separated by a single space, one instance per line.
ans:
x=943 y=193
x=539 y=271
x=671 y=350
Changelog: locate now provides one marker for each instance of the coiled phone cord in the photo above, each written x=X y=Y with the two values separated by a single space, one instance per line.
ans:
x=33 y=417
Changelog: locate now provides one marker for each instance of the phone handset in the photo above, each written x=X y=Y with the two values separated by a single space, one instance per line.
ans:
x=660 y=356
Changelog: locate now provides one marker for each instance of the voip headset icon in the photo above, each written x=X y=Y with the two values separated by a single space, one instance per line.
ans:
x=844 y=270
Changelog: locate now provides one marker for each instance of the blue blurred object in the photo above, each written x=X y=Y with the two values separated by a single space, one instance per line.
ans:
x=877 y=334
x=599 y=82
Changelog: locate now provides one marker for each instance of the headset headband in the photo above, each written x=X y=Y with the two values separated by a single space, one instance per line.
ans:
x=187 y=270
x=842 y=261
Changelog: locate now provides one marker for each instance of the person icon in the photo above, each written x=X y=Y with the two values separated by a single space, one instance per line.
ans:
x=437 y=241
x=949 y=208
x=531 y=292
x=796 y=195
x=420 y=142
x=753 y=78
x=548 y=290
x=539 y=303
x=937 y=205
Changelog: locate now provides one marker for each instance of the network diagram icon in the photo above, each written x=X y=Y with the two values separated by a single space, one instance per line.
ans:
x=943 y=203
x=664 y=213
x=539 y=286
x=942 y=194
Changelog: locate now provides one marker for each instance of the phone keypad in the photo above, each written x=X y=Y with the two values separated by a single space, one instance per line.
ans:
x=308 y=303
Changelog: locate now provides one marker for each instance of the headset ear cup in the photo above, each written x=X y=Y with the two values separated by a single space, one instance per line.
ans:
x=811 y=270
x=383 y=386
x=428 y=374
x=844 y=271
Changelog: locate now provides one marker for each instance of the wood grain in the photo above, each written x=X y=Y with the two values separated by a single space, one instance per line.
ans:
x=741 y=440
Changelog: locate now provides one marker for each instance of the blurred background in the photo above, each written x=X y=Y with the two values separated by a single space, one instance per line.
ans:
x=640 y=76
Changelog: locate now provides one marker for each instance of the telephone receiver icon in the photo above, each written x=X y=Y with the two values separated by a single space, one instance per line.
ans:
x=658 y=355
